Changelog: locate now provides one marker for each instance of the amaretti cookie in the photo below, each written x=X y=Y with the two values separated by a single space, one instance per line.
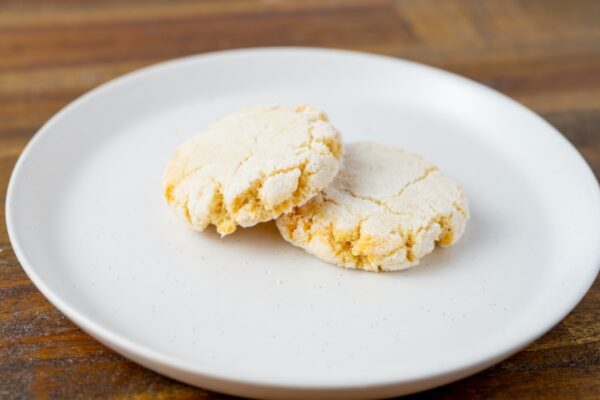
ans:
x=385 y=210
x=253 y=166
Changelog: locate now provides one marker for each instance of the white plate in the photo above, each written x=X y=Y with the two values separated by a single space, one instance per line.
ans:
x=250 y=314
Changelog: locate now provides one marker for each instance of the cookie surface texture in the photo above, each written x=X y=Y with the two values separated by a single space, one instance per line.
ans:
x=252 y=166
x=384 y=211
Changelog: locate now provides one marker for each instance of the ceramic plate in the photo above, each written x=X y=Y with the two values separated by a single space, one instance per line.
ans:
x=250 y=314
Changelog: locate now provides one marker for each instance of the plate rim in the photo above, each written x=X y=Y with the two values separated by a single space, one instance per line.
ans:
x=149 y=356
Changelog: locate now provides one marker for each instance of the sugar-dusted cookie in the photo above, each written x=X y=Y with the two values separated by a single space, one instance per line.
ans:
x=385 y=210
x=253 y=166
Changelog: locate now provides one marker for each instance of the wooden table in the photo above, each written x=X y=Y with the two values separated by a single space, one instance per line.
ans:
x=545 y=54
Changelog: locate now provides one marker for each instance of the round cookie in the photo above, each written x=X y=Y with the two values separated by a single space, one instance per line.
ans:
x=384 y=211
x=252 y=166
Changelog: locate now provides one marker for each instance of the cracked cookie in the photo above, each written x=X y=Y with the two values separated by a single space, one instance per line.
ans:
x=384 y=211
x=252 y=166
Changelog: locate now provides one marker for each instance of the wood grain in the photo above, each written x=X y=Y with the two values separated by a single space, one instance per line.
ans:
x=545 y=54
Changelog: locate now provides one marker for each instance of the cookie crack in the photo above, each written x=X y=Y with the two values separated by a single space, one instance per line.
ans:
x=428 y=171
x=411 y=237
x=220 y=217
x=252 y=192
x=333 y=146
x=346 y=244
x=370 y=199
x=173 y=185
x=243 y=161
x=345 y=206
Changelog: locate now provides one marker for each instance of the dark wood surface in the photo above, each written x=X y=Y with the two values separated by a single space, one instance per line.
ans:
x=545 y=54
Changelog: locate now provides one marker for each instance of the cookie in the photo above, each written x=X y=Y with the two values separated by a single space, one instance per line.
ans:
x=252 y=166
x=384 y=211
